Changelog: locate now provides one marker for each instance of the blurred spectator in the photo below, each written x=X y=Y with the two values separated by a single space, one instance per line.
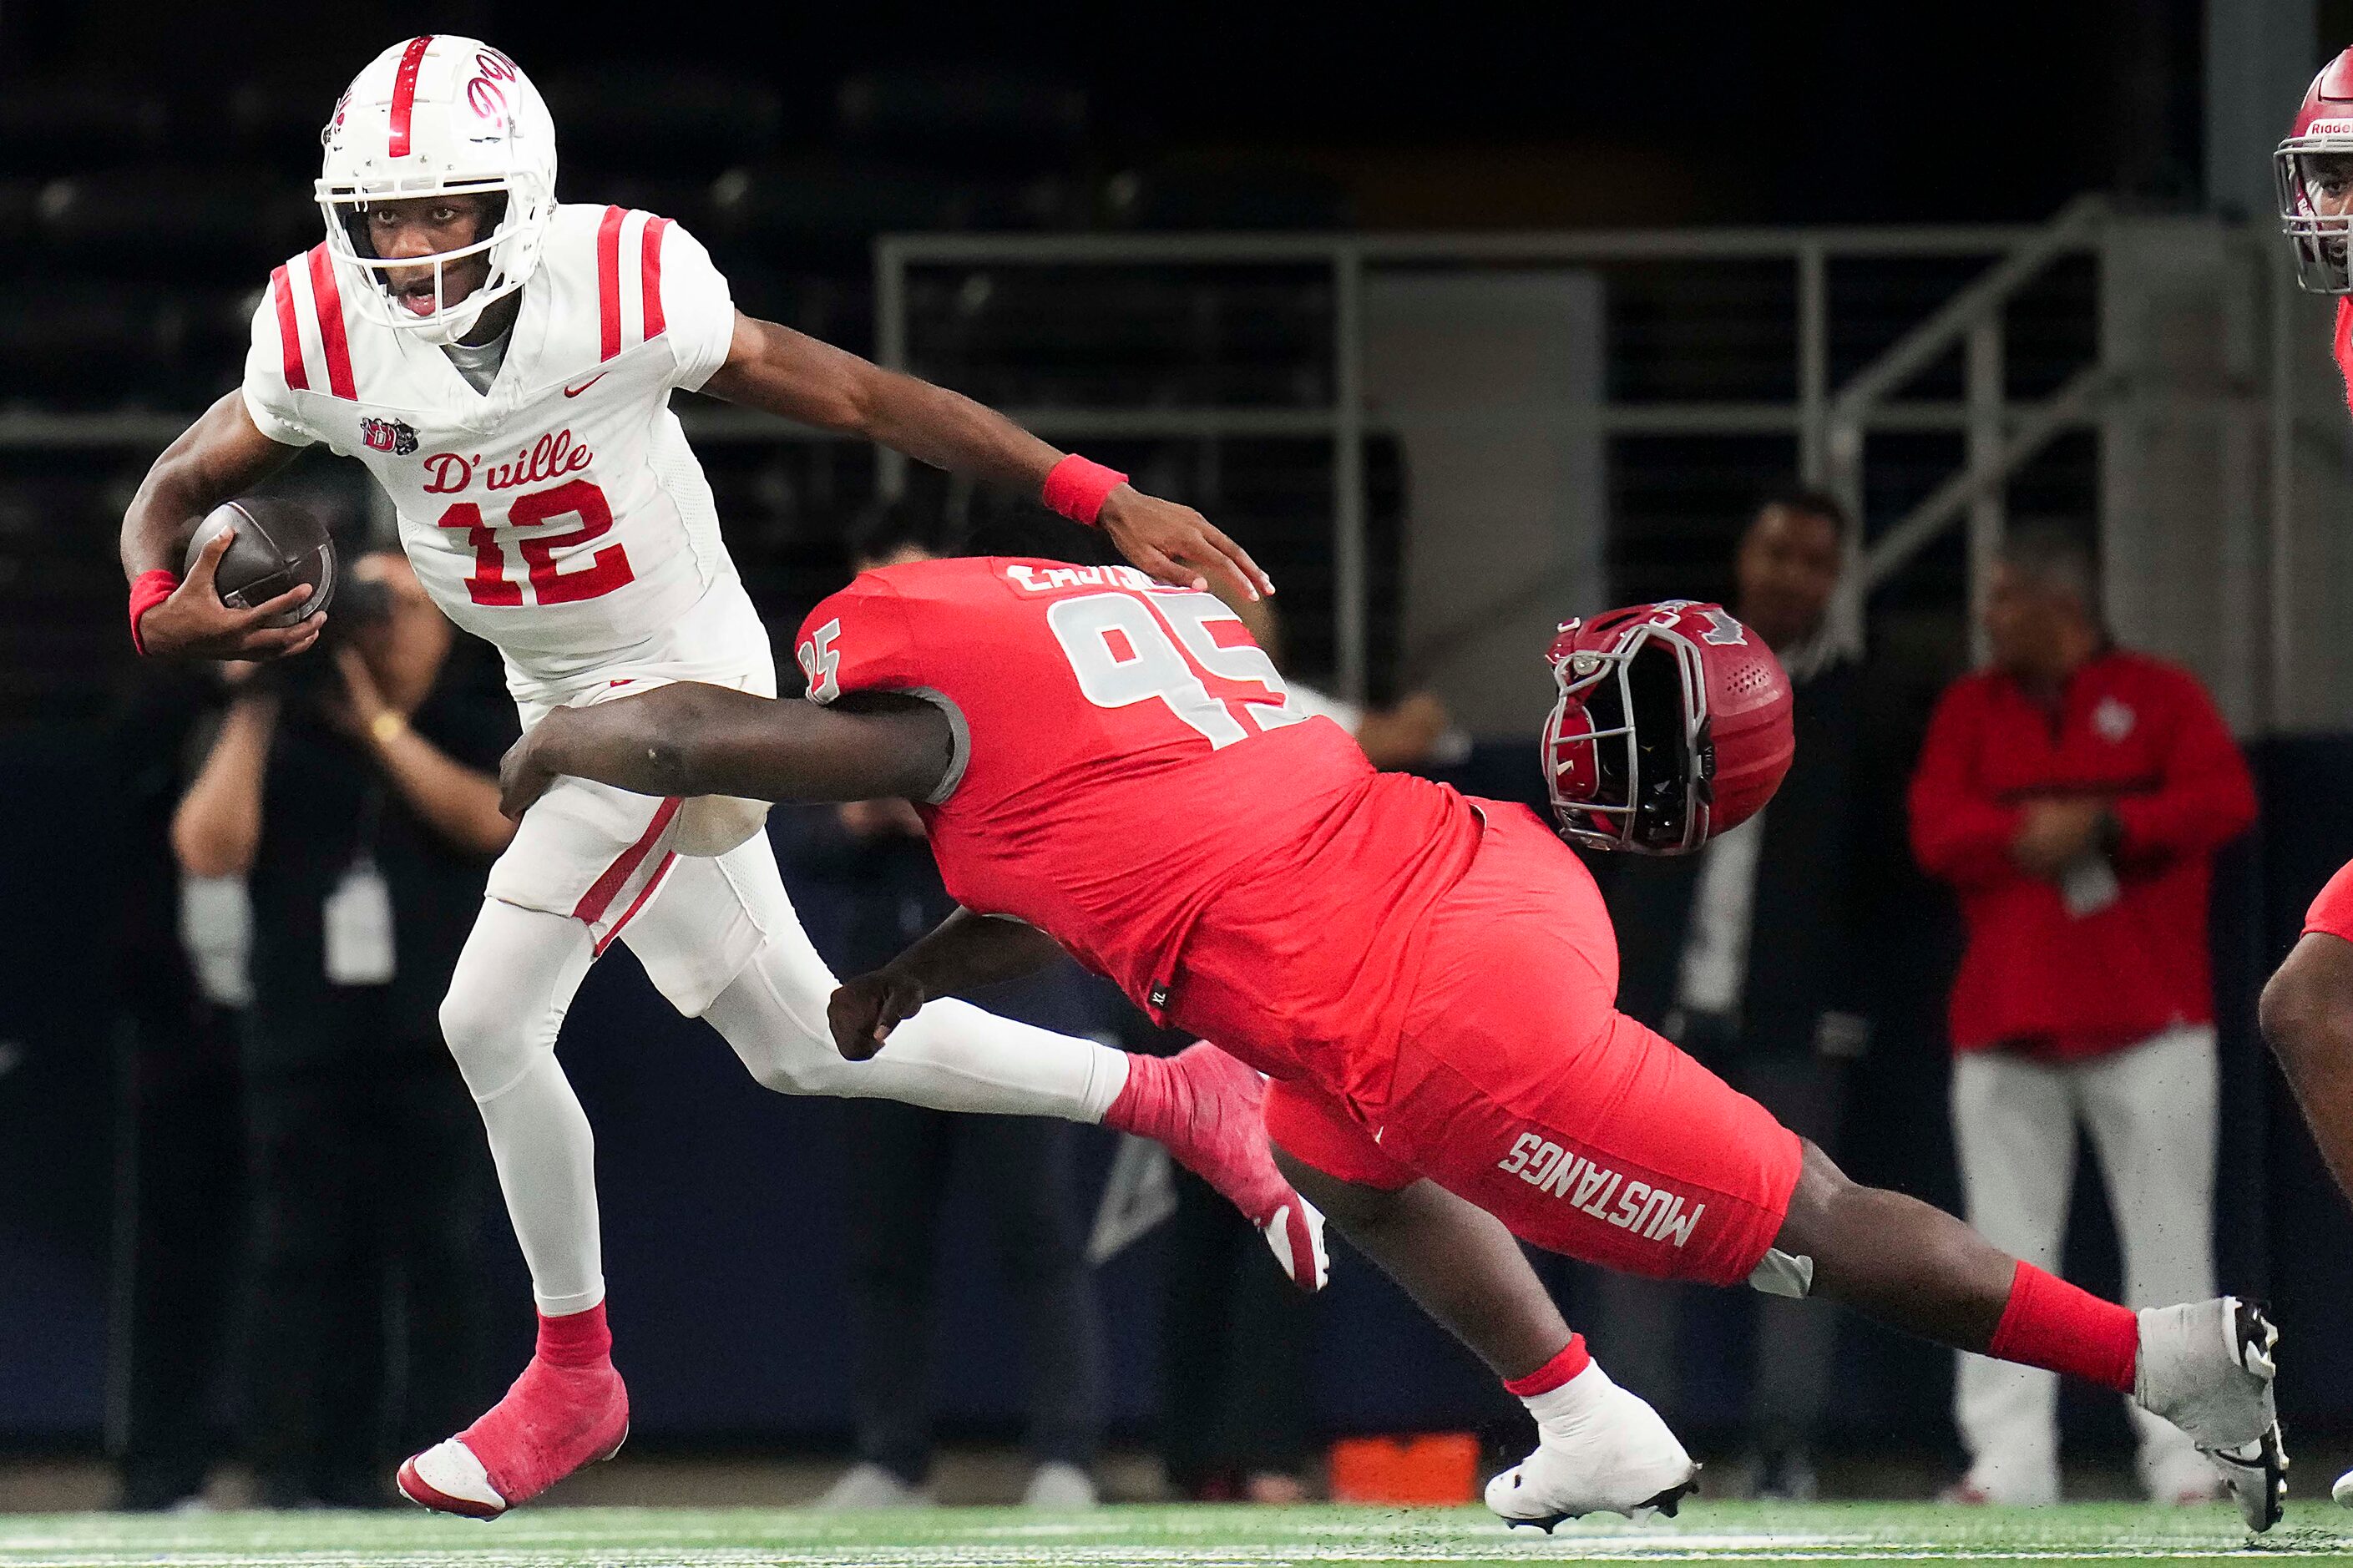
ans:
x=2074 y=794
x=1236 y=1341
x=902 y=1158
x=355 y=787
x=180 y=1173
x=1414 y=733
x=1743 y=955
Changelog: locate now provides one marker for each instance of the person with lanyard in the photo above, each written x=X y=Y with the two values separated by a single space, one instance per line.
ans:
x=1742 y=955
x=355 y=790
x=2074 y=794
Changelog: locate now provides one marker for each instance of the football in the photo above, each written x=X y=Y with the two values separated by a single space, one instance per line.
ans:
x=278 y=546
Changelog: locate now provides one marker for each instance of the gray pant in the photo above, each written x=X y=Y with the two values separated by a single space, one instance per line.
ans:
x=1796 y=1340
x=2150 y=1109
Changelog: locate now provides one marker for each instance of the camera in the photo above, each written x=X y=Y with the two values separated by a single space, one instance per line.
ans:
x=359 y=606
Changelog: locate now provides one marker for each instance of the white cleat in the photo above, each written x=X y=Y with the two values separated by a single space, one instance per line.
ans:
x=2179 y=1476
x=1059 y=1487
x=448 y=1478
x=870 y=1487
x=1295 y=1234
x=1613 y=1456
x=2206 y=1367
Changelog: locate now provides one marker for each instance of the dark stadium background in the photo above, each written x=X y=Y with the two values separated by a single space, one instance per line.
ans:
x=155 y=160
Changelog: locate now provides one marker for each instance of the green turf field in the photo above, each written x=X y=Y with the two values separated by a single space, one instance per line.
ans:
x=1246 y=1537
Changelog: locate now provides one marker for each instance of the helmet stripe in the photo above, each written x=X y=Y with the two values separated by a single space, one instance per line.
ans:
x=608 y=283
x=328 y=301
x=651 y=276
x=289 y=335
x=404 y=93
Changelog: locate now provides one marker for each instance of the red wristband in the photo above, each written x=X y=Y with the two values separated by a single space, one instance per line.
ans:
x=148 y=590
x=1076 y=487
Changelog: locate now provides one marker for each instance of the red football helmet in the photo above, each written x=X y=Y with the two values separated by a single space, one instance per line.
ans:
x=1673 y=726
x=2314 y=170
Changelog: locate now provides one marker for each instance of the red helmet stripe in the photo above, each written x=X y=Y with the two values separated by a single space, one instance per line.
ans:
x=649 y=279
x=608 y=283
x=327 y=301
x=404 y=93
x=290 y=336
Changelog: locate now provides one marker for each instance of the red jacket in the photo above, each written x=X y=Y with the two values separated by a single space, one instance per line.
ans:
x=2034 y=977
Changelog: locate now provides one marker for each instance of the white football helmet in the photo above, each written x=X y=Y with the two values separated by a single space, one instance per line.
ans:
x=439 y=114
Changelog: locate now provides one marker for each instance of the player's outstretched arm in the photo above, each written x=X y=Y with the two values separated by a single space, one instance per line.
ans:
x=963 y=952
x=690 y=739
x=219 y=458
x=791 y=374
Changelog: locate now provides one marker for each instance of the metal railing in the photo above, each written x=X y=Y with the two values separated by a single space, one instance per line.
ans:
x=1830 y=425
x=1999 y=444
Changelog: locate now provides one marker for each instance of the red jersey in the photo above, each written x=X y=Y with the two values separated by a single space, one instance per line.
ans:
x=1131 y=777
x=2343 y=342
x=2035 y=974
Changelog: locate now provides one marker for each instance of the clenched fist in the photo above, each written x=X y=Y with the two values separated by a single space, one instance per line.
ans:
x=865 y=1010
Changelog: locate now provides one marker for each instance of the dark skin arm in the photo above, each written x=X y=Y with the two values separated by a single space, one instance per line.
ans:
x=791 y=373
x=689 y=740
x=2307 y=1020
x=963 y=952
x=219 y=458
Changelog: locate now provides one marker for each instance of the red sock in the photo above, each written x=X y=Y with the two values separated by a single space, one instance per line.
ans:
x=576 y=1339
x=1572 y=1360
x=2055 y=1325
x=1146 y=1105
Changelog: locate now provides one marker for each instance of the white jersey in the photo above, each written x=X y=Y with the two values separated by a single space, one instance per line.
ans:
x=559 y=515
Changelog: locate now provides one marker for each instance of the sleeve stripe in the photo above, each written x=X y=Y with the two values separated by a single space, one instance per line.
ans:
x=609 y=282
x=650 y=277
x=289 y=338
x=327 y=301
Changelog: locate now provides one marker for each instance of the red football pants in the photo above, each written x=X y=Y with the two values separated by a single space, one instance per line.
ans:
x=1520 y=1086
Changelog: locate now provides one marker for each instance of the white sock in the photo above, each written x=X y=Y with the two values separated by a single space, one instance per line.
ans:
x=546 y=1158
x=952 y=1056
x=1560 y=1411
x=507 y=1000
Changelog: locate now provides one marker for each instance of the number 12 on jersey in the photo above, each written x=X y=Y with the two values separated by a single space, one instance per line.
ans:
x=607 y=570
x=1122 y=653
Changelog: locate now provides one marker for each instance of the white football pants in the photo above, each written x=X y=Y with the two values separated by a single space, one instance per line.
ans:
x=518 y=971
x=2150 y=1109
